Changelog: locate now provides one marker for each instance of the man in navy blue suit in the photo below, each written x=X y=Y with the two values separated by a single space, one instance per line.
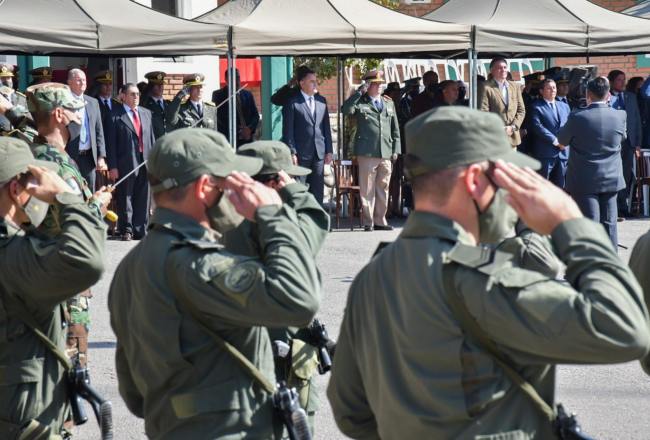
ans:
x=548 y=116
x=130 y=137
x=306 y=130
x=595 y=171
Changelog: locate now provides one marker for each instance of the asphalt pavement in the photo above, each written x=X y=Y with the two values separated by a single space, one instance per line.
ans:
x=612 y=402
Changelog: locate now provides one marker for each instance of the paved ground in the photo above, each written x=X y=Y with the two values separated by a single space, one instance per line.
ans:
x=612 y=402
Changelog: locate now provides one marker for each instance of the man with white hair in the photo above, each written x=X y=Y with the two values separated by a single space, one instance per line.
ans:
x=86 y=145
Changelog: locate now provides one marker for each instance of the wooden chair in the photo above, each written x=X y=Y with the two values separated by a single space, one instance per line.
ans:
x=346 y=183
x=642 y=178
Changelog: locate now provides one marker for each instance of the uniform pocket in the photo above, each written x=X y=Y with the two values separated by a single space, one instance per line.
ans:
x=215 y=398
x=20 y=392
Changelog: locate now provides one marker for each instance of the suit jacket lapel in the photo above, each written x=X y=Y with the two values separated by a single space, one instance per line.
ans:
x=127 y=121
x=305 y=105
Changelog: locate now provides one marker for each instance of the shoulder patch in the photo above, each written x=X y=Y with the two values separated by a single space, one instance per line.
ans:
x=210 y=103
x=481 y=258
x=241 y=277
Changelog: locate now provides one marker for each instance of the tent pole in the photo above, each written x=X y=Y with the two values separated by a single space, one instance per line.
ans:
x=339 y=99
x=232 y=89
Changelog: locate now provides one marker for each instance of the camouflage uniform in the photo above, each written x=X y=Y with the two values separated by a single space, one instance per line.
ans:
x=77 y=308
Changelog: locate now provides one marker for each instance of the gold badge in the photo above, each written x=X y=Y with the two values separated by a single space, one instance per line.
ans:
x=4 y=69
x=160 y=76
x=109 y=76
x=197 y=79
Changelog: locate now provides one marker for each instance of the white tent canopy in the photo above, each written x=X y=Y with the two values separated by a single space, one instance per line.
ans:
x=547 y=27
x=332 y=27
x=641 y=10
x=116 y=27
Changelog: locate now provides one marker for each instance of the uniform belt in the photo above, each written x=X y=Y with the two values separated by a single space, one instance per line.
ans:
x=84 y=152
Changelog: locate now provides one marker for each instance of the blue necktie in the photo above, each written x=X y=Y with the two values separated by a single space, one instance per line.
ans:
x=83 y=135
x=620 y=101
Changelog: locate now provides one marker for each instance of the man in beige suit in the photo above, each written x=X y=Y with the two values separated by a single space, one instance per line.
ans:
x=504 y=98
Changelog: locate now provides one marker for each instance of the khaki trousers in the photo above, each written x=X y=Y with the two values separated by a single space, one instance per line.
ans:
x=374 y=178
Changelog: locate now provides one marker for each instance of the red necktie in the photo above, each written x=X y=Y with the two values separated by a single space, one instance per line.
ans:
x=138 y=129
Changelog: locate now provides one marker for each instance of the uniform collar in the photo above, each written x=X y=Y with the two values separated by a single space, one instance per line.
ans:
x=181 y=224
x=9 y=230
x=426 y=224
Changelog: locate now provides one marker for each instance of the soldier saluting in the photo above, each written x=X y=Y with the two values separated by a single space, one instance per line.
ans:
x=188 y=109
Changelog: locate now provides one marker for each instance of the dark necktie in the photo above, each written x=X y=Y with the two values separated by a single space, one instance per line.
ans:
x=138 y=129
x=161 y=104
x=620 y=101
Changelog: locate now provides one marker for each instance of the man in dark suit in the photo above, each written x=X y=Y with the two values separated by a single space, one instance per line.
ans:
x=130 y=138
x=547 y=117
x=104 y=82
x=594 y=172
x=623 y=100
x=306 y=130
x=154 y=102
x=247 y=115
x=86 y=145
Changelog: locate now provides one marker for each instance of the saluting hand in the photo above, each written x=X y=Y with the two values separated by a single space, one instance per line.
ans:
x=247 y=195
x=45 y=184
x=540 y=204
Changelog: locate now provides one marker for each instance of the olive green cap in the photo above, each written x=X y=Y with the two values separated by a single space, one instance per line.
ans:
x=452 y=136
x=185 y=154
x=48 y=96
x=16 y=158
x=276 y=156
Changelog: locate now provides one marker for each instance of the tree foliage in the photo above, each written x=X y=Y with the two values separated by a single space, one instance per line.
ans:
x=325 y=67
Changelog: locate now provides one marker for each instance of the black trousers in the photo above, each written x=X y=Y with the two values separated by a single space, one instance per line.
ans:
x=133 y=204
x=87 y=166
x=627 y=156
x=315 y=180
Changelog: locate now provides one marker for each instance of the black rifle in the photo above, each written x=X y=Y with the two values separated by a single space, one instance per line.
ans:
x=567 y=427
x=319 y=338
x=79 y=388
x=286 y=403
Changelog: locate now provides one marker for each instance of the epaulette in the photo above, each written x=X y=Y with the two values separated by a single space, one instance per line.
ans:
x=20 y=94
x=387 y=98
x=198 y=244
x=210 y=103
x=481 y=258
x=117 y=101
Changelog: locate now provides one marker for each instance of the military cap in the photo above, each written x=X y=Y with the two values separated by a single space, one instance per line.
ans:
x=535 y=77
x=41 y=73
x=104 y=77
x=373 y=76
x=50 y=95
x=194 y=79
x=156 y=77
x=17 y=157
x=185 y=154
x=6 y=71
x=412 y=81
x=451 y=136
x=392 y=87
x=276 y=156
x=552 y=72
x=563 y=76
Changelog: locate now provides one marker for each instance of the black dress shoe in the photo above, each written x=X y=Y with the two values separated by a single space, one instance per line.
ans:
x=127 y=236
x=383 y=228
x=367 y=228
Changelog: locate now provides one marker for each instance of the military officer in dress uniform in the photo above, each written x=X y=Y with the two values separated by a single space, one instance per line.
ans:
x=41 y=75
x=39 y=275
x=16 y=98
x=376 y=145
x=188 y=109
x=494 y=331
x=154 y=101
x=104 y=81
x=184 y=383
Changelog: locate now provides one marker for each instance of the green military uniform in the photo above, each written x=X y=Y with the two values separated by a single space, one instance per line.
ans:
x=40 y=273
x=314 y=224
x=377 y=131
x=639 y=265
x=180 y=380
x=406 y=368
x=157 y=107
x=45 y=98
x=182 y=112
x=20 y=124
